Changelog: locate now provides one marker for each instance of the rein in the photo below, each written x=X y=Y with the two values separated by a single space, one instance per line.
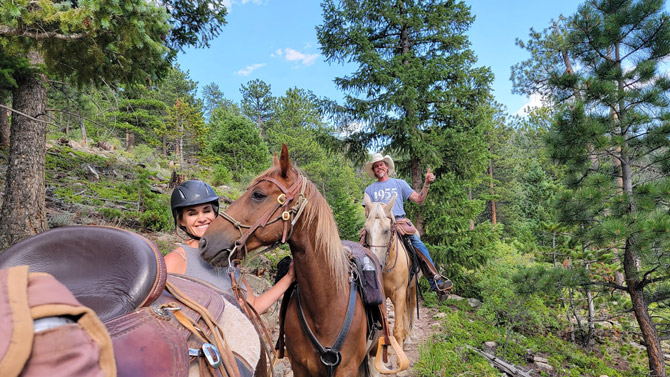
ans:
x=297 y=190
x=330 y=356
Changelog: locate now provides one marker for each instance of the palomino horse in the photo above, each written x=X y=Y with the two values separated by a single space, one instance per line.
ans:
x=283 y=206
x=381 y=237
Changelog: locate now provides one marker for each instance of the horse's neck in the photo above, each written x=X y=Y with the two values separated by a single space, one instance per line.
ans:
x=314 y=276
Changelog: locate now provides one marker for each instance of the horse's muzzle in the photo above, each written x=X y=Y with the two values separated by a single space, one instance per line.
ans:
x=216 y=255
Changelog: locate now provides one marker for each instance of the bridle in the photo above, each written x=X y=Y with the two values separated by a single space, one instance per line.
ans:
x=296 y=191
x=388 y=247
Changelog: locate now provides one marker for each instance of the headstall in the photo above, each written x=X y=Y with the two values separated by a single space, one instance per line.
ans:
x=288 y=215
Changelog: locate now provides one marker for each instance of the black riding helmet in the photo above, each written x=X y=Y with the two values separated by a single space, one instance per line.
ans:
x=191 y=193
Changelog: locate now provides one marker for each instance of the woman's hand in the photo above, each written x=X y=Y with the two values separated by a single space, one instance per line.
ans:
x=291 y=273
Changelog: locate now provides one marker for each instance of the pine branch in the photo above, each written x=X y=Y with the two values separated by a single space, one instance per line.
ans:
x=10 y=31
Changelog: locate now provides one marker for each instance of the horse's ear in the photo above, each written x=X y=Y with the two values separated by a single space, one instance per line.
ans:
x=284 y=161
x=388 y=208
x=275 y=160
x=367 y=201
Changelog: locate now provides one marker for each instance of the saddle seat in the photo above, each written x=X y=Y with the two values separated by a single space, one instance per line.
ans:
x=109 y=270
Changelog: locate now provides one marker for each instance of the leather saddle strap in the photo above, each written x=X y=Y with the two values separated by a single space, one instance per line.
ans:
x=228 y=360
x=344 y=331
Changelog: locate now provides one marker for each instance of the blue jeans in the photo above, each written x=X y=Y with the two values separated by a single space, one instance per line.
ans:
x=419 y=245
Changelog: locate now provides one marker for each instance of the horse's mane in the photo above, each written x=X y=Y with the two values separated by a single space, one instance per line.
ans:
x=319 y=215
x=376 y=211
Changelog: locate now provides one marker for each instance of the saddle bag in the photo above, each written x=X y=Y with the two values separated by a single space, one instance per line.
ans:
x=372 y=295
x=405 y=226
x=369 y=270
x=45 y=331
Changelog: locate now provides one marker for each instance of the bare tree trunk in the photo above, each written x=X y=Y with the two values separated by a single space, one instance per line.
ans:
x=23 y=211
x=82 y=126
x=4 y=120
x=130 y=140
x=591 y=321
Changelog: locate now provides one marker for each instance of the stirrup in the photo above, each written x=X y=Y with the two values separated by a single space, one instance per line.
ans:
x=403 y=361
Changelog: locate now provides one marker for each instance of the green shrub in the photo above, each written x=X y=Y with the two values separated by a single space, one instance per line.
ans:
x=221 y=175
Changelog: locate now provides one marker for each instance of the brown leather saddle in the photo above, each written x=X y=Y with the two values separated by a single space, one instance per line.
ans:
x=121 y=276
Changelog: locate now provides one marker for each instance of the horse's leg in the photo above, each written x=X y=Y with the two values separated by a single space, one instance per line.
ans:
x=411 y=310
x=399 y=307
x=369 y=367
x=299 y=370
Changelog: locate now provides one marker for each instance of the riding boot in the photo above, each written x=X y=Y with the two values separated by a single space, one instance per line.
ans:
x=441 y=284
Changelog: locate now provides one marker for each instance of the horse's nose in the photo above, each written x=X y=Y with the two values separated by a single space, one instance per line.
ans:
x=202 y=245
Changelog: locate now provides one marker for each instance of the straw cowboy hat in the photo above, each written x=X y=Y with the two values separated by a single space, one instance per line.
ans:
x=376 y=158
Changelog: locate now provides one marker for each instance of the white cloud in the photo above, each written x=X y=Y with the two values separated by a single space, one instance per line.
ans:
x=534 y=101
x=292 y=55
x=229 y=3
x=250 y=68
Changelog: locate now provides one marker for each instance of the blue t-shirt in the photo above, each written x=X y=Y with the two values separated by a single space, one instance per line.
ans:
x=383 y=192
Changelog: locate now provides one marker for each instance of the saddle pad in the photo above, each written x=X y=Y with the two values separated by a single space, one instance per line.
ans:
x=109 y=270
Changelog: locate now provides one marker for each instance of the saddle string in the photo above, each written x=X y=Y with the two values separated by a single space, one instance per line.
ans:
x=228 y=365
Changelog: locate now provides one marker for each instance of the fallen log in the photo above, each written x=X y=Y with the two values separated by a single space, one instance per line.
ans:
x=502 y=365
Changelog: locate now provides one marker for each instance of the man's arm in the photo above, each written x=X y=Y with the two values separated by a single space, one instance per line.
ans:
x=420 y=197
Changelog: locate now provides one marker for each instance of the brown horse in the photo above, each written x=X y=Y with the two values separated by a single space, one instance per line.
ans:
x=381 y=237
x=283 y=206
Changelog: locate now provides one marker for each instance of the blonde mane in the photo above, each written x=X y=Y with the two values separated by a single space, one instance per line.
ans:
x=319 y=215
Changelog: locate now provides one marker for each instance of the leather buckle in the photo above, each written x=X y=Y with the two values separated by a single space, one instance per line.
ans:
x=211 y=354
x=281 y=199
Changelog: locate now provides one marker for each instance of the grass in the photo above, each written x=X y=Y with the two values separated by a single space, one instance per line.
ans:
x=446 y=353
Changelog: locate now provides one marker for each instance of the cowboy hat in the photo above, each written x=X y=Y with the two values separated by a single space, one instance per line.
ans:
x=376 y=158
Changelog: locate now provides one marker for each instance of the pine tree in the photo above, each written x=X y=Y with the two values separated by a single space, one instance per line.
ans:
x=612 y=132
x=417 y=95
x=89 y=42
x=257 y=102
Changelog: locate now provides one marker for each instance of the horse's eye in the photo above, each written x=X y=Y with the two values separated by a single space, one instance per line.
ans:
x=258 y=196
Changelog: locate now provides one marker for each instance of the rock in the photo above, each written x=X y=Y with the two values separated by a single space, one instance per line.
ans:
x=439 y=315
x=474 y=303
x=91 y=173
x=544 y=367
x=491 y=347
x=539 y=359
x=260 y=285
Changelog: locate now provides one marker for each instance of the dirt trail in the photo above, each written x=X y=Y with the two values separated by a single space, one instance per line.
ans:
x=424 y=327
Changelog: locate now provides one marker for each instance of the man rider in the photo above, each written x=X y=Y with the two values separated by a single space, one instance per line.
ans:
x=381 y=191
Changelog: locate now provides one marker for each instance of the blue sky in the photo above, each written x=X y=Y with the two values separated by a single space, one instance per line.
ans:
x=275 y=41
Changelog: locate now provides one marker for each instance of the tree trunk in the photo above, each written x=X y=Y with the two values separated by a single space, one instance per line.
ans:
x=84 y=140
x=647 y=327
x=4 y=120
x=130 y=140
x=23 y=211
